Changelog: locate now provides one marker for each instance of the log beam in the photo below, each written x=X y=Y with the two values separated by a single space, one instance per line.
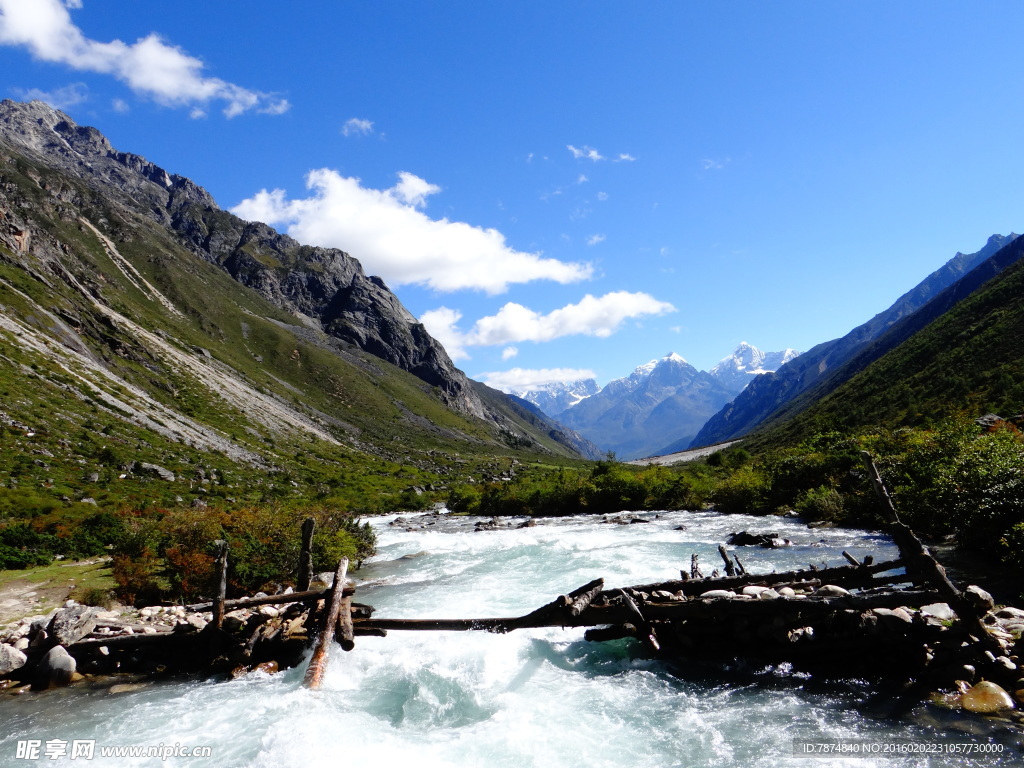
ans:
x=318 y=659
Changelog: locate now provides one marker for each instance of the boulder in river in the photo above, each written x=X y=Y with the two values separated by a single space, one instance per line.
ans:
x=985 y=698
x=766 y=540
x=56 y=669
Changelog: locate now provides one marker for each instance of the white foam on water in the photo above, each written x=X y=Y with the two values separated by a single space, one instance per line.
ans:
x=543 y=698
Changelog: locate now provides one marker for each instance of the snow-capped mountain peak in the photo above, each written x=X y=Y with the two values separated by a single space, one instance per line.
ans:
x=555 y=397
x=747 y=361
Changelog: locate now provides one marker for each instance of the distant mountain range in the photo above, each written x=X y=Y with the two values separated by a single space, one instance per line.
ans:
x=824 y=367
x=659 y=407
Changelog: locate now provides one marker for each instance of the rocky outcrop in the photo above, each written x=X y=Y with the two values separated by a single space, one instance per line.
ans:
x=325 y=286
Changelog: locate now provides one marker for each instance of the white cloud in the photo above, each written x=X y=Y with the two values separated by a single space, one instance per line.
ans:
x=585 y=153
x=120 y=105
x=357 y=127
x=442 y=324
x=509 y=352
x=61 y=98
x=149 y=66
x=582 y=179
x=524 y=378
x=602 y=196
x=595 y=239
x=591 y=316
x=710 y=164
x=625 y=158
x=392 y=238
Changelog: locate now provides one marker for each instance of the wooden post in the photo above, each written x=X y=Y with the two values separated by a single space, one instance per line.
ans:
x=306 y=555
x=346 y=634
x=730 y=569
x=644 y=629
x=920 y=563
x=222 y=586
x=318 y=659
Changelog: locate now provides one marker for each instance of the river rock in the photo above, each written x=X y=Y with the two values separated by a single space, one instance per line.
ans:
x=940 y=611
x=11 y=659
x=235 y=620
x=978 y=598
x=267 y=667
x=1006 y=663
x=769 y=594
x=830 y=590
x=896 y=619
x=39 y=639
x=986 y=697
x=786 y=591
x=127 y=687
x=754 y=590
x=716 y=593
x=71 y=624
x=1010 y=613
x=56 y=669
x=766 y=540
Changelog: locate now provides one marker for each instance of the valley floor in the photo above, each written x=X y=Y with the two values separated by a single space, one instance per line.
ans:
x=683 y=456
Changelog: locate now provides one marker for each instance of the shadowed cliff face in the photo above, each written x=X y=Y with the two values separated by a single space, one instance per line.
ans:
x=324 y=286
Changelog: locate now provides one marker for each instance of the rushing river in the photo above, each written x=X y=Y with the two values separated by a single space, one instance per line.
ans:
x=535 y=698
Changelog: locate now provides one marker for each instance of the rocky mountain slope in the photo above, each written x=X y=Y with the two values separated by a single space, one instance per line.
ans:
x=766 y=395
x=324 y=287
x=141 y=326
x=961 y=353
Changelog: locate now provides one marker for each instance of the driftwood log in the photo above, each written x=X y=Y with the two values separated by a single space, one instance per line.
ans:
x=318 y=659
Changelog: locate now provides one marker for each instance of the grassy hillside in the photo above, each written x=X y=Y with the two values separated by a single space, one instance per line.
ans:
x=968 y=360
x=137 y=379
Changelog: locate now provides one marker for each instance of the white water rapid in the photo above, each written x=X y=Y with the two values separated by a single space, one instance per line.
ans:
x=529 y=699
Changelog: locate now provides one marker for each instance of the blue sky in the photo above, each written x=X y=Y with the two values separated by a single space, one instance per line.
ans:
x=572 y=186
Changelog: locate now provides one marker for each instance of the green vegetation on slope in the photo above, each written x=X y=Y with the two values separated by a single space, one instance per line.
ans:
x=141 y=385
x=968 y=360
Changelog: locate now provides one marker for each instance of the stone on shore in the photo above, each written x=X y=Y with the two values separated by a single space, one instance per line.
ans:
x=979 y=598
x=71 y=624
x=56 y=670
x=11 y=659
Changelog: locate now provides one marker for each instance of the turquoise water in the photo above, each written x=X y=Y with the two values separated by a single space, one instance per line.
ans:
x=543 y=698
